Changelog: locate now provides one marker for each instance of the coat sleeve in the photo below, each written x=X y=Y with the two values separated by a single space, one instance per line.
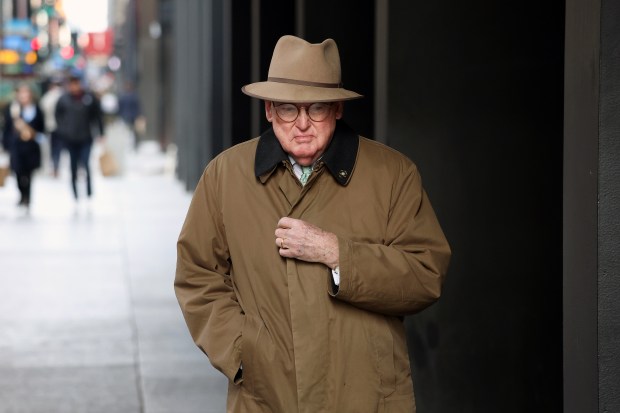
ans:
x=38 y=123
x=97 y=116
x=203 y=285
x=7 y=129
x=404 y=274
x=59 y=111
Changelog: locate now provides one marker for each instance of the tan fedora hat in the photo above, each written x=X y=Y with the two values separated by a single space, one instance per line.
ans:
x=302 y=72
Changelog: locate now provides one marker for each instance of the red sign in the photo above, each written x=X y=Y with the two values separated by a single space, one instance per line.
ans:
x=99 y=44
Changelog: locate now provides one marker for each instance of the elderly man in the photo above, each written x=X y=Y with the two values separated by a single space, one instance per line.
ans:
x=304 y=248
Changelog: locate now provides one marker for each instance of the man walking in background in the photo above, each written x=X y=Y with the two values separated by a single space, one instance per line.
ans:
x=77 y=112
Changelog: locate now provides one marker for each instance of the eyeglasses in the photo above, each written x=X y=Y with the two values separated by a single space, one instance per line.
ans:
x=289 y=112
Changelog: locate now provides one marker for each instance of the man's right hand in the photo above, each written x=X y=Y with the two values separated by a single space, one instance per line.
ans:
x=303 y=241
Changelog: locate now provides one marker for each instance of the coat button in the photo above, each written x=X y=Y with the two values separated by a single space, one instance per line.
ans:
x=343 y=173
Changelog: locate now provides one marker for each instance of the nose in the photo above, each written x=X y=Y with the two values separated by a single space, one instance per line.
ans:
x=303 y=120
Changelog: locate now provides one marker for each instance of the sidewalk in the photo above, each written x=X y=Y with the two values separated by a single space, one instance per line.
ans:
x=88 y=317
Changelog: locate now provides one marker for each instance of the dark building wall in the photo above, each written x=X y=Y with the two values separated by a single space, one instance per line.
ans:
x=475 y=99
x=591 y=205
x=609 y=210
x=581 y=130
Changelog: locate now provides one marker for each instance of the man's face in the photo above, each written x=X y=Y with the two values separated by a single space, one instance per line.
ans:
x=74 y=87
x=24 y=95
x=304 y=139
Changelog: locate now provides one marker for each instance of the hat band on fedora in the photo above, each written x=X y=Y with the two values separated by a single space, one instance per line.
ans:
x=303 y=82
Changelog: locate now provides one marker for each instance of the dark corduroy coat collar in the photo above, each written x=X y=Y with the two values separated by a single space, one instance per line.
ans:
x=339 y=158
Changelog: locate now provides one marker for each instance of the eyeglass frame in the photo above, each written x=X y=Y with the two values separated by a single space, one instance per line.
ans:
x=305 y=107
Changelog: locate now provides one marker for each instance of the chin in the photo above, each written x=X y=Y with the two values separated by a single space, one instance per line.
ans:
x=303 y=153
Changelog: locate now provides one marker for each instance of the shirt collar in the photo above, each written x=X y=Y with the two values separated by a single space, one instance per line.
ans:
x=339 y=157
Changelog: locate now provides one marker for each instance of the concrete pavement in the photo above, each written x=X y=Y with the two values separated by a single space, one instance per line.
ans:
x=88 y=317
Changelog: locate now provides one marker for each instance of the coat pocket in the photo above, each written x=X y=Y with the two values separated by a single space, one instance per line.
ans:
x=256 y=355
x=398 y=404
x=382 y=345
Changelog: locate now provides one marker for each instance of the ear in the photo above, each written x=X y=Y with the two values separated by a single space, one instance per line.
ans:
x=339 y=110
x=268 y=112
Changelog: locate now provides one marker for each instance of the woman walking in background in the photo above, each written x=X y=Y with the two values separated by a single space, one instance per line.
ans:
x=23 y=119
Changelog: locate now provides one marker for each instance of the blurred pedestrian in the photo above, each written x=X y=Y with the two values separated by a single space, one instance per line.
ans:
x=23 y=119
x=304 y=249
x=129 y=109
x=78 y=111
x=48 y=106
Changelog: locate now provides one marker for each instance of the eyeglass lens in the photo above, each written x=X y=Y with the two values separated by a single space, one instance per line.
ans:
x=317 y=111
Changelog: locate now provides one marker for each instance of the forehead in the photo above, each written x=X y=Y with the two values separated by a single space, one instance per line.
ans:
x=296 y=103
x=301 y=104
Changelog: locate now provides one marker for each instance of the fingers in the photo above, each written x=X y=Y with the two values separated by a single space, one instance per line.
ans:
x=284 y=249
x=286 y=222
x=287 y=253
x=286 y=237
x=285 y=231
x=280 y=242
x=299 y=239
x=281 y=233
x=287 y=249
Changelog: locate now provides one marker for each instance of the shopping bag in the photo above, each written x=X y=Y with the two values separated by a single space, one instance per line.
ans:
x=4 y=172
x=5 y=167
x=107 y=164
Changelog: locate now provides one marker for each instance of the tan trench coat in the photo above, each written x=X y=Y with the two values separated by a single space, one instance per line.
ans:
x=304 y=345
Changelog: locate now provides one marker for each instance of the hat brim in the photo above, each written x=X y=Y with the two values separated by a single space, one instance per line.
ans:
x=291 y=93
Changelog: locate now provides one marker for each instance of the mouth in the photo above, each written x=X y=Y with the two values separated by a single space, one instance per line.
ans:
x=302 y=138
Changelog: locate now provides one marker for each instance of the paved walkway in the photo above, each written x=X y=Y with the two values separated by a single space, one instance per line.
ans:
x=88 y=317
